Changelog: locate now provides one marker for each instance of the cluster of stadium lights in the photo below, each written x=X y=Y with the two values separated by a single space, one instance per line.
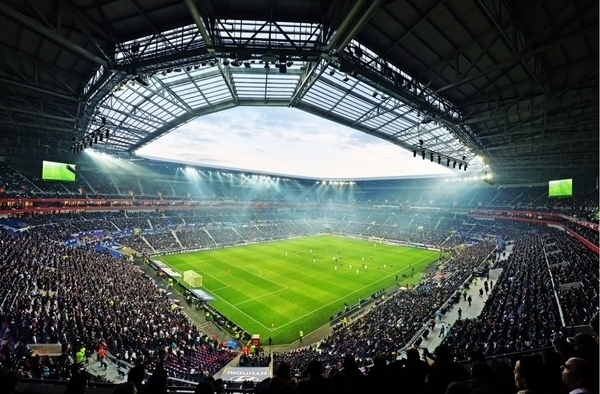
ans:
x=93 y=137
x=280 y=63
x=425 y=152
x=335 y=183
x=190 y=170
x=485 y=177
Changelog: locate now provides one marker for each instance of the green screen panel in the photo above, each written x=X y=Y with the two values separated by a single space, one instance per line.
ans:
x=560 y=188
x=54 y=171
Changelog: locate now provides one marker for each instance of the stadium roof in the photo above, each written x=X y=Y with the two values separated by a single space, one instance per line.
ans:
x=513 y=82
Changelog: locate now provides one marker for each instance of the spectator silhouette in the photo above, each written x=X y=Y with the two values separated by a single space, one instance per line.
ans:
x=580 y=375
x=125 y=388
x=157 y=383
x=136 y=375
x=443 y=371
x=564 y=348
x=355 y=378
x=78 y=384
x=553 y=363
x=205 y=387
x=280 y=378
x=9 y=381
x=588 y=348
x=315 y=383
x=530 y=376
x=339 y=383
x=377 y=378
x=415 y=372
x=459 y=388
x=484 y=380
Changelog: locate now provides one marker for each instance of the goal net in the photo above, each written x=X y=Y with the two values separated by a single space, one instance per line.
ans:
x=192 y=278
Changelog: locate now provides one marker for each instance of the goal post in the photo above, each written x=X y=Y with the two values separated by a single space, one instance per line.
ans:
x=192 y=278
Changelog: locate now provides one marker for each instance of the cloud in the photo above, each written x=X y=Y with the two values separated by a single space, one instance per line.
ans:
x=286 y=141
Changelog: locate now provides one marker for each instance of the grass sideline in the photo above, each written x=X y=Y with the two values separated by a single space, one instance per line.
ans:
x=265 y=292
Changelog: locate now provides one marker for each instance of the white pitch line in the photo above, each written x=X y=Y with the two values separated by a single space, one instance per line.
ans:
x=338 y=300
x=225 y=285
x=221 y=288
x=264 y=295
x=249 y=266
x=244 y=313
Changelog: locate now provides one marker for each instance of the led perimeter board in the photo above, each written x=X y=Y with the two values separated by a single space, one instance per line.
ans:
x=54 y=171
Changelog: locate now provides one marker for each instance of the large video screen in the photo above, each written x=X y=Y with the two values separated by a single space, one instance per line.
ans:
x=54 y=171
x=560 y=188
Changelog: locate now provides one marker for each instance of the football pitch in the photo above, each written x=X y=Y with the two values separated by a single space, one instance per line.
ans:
x=278 y=288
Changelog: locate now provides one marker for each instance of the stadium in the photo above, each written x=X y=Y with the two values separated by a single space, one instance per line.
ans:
x=285 y=196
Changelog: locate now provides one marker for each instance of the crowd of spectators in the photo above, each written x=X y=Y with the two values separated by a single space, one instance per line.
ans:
x=521 y=311
x=550 y=372
x=394 y=322
x=576 y=275
x=164 y=241
x=80 y=298
x=75 y=296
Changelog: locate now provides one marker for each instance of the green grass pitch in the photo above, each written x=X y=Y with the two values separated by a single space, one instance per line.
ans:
x=265 y=292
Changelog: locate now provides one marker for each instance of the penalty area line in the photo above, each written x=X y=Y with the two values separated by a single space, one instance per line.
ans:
x=264 y=295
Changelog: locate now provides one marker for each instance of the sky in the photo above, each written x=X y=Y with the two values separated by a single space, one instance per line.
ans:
x=286 y=141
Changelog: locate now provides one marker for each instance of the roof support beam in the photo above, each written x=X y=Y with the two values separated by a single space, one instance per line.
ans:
x=195 y=13
x=89 y=22
x=358 y=26
x=409 y=30
x=51 y=35
x=538 y=73
x=516 y=58
x=37 y=89
x=344 y=25
x=313 y=72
